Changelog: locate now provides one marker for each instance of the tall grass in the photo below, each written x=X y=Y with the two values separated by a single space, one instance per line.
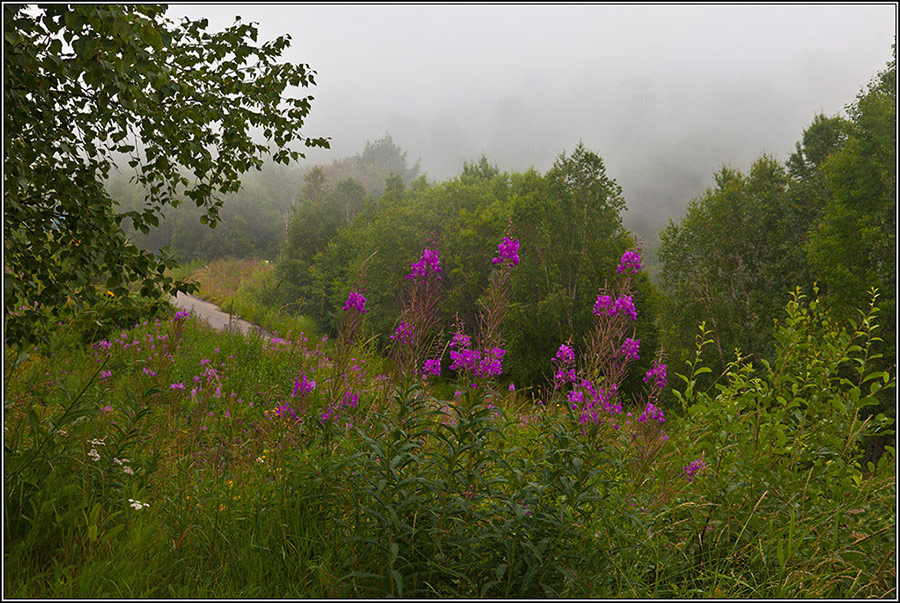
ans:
x=172 y=461
x=248 y=289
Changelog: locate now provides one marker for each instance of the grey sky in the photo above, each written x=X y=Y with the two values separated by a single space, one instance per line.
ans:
x=664 y=93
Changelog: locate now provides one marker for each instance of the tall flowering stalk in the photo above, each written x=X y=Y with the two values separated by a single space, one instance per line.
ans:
x=592 y=393
x=485 y=360
x=354 y=311
x=611 y=347
x=418 y=318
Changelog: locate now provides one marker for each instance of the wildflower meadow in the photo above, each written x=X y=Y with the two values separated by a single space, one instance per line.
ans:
x=170 y=460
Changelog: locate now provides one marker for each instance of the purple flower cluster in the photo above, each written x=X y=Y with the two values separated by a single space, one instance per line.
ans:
x=595 y=406
x=622 y=305
x=693 y=468
x=333 y=410
x=631 y=260
x=482 y=363
x=432 y=367
x=509 y=252
x=651 y=412
x=303 y=386
x=565 y=355
x=657 y=374
x=565 y=372
x=430 y=263
x=460 y=341
x=629 y=349
x=403 y=333
x=181 y=315
x=491 y=364
x=355 y=301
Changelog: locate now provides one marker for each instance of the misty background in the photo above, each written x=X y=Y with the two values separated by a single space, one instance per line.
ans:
x=665 y=94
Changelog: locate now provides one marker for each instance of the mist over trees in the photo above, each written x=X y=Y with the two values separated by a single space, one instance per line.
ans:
x=826 y=218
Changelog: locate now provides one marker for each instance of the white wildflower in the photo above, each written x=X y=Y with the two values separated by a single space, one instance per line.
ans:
x=94 y=455
x=95 y=442
x=128 y=470
x=137 y=505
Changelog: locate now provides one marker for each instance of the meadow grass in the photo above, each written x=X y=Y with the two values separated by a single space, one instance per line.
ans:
x=248 y=289
x=168 y=460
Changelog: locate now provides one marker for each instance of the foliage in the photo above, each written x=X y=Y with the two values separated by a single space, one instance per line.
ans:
x=169 y=461
x=372 y=167
x=84 y=84
x=463 y=217
x=854 y=245
x=828 y=215
x=787 y=501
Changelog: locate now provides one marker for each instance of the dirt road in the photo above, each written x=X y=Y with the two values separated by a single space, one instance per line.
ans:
x=212 y=315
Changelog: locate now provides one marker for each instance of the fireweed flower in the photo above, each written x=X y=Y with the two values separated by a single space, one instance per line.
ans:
x=657 y=374
x=509 y=252
x=565 y=355
x=625 y=305
x=460 y=341
x=631 y=260
x=604 y=306
x=491 y=363
x=432 y=367
x=462 y=360
x=181 y=315
x=430 y=263
x=303 y=386
x=403 y=332
x=693 y=468
x=355 y=301
x=651 y=412
x=629 y=349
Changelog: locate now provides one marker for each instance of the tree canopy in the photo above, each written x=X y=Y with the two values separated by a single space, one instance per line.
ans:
x=86 y=86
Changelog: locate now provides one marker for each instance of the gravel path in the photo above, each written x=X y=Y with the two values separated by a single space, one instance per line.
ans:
x=214 y=317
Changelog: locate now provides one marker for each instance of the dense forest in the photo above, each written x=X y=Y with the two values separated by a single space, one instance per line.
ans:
x=491 y=387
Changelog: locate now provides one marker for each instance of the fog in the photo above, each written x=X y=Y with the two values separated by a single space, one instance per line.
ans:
x=665 y=94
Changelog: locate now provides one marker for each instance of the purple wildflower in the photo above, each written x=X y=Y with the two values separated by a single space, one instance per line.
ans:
x=631 y=260
x=625 y=305
x=403 y=332
x=432 y=367
x=630 y=348
x=303 y=385
x=604 y=305
x=355 y=301
x=657 y=374
x=565 y=355
x=509 y=252
x=693 y=468
x=652 y=412
x=460 y=341
x=491 y=363
x=430 y=263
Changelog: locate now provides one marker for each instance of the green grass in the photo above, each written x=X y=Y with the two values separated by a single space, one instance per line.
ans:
x=415 y=493
x=247 y=289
